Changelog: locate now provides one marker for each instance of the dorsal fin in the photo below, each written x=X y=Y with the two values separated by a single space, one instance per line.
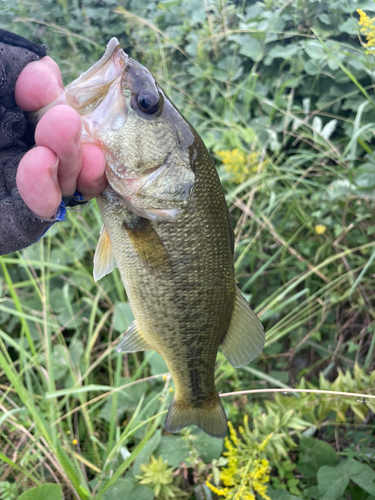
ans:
x=104 y=260
x=245 y=338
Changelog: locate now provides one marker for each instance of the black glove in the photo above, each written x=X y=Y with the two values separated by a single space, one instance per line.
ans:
x=19 y=227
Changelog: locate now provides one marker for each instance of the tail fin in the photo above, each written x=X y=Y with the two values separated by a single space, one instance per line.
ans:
x=211 y=419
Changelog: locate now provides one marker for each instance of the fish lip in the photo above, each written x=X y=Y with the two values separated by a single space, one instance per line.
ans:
x=113 y=56
x=113 y=46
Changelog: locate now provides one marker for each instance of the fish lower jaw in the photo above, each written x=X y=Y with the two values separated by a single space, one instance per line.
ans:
x=150 y=213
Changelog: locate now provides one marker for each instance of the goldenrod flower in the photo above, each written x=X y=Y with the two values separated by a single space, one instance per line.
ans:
x=221 y=492
x=320 y=229
x=247 y=470
x=239 y=165
x=368 y=29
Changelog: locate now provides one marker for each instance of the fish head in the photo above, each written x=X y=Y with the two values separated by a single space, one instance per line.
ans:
x=146 y=142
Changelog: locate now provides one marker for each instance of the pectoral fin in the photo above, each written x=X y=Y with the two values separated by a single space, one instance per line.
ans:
x=104 y=260
x=245 y=338
x=133 y=340
x=149 y=246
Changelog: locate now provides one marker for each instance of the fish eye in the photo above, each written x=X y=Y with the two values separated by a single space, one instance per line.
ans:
x=148 y=102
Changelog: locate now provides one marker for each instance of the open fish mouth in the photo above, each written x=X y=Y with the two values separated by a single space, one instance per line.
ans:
x=125 y=112
x=88 y=90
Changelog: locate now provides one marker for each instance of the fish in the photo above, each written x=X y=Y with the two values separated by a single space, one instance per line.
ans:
x=166 y=227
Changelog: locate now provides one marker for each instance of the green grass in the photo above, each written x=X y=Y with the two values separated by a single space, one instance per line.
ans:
x=75 y=412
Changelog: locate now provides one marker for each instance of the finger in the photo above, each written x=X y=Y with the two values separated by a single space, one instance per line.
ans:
x=92 y=180
x=37 y=182
x=60 y=130
x=38 y=84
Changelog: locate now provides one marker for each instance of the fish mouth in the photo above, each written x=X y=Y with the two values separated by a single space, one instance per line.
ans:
x=113 y=62
x=89 y=89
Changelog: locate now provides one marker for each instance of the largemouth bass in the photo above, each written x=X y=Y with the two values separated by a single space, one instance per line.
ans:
x=167 y=228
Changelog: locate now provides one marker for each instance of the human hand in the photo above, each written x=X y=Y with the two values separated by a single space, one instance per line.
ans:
x=59 y=164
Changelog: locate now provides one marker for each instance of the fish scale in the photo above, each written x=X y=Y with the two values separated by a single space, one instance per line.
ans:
x=167 y=228
x=179 y=308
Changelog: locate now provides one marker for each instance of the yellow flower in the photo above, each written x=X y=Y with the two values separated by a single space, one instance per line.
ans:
x=320 y=229
x=247 y=470
x=75 y=442
x=221 y=492
x=248 y=496
x=368 y=29
x=239 y=165
x=233 y=435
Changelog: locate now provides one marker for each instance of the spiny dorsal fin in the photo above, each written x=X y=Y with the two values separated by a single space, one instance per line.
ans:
x=245 y=338
x=133 y=340
x=104 y=260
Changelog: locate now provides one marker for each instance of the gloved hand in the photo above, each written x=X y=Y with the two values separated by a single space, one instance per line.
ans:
x=18 y=225
x=34 y=179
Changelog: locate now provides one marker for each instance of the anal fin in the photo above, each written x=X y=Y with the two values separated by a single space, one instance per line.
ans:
x=104 y=260
x=245 y=338
x=133 y=340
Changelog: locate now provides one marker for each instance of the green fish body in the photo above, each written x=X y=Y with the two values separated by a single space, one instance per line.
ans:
x=167 y=228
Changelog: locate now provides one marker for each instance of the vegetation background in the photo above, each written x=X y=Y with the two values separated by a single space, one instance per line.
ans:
x=282 y=94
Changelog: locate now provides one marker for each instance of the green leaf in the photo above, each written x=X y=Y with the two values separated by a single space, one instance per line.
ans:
x=119 y=489
x=173 y=449
x=8 y=491
x=128 y=488
x=157 y=364
x=56 y=299
x=328 y=129
x=122 y=317
x=59 y=361
x=315 y=453
x=280 y=494
x=208 y=447
x=331 y=483
x=314 y=49
x=251 y=48
x=284 y=52
x=361 y=474
x=365 y=175
x=141 y=492
x=76 y=351
x=147 y=451
x=340 y=189
x=127 y=400
x=44 y=492
x=279 y=375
